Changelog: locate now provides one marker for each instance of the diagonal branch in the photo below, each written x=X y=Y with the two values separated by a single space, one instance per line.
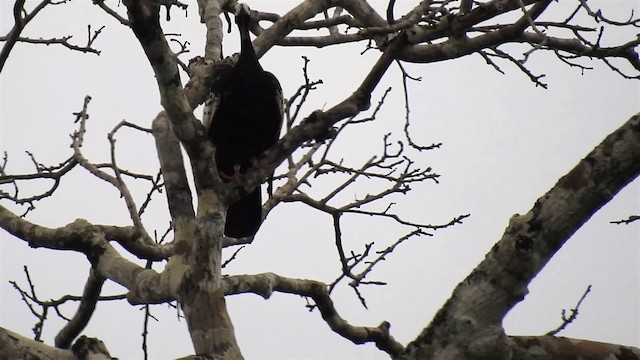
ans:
x=478 y=304
x=19 y=23
x=145 y=23
x=574 y=314
x=86 y=308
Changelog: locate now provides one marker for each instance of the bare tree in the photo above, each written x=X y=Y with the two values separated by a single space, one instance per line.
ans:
x=309 y=172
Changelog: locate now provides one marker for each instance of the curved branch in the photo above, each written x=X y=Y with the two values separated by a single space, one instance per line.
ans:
x=81 y=318
x=20 y=23
x=53 y=173
x=70 y=237
x=265 y=284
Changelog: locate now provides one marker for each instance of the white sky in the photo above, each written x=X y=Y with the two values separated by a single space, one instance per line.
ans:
x=506 y=143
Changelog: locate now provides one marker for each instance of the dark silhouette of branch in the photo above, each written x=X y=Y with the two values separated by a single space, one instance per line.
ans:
x=566 y=320
x=64 y=41
x=89 y=299
x=78 y=322
x=156 y=186
x=407 y=111
x=20 y=22
x=111 y=12
x=631 y=219
x=54 y=173
x=29 y=299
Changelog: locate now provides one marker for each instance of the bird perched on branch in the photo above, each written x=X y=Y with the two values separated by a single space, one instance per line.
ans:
x=246 y=117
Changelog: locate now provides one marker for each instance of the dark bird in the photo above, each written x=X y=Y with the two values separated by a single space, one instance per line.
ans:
x=246 y=117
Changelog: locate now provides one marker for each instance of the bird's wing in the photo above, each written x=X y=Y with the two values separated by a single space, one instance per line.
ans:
x=210 y=107
x=279 y=98
x=218 y=84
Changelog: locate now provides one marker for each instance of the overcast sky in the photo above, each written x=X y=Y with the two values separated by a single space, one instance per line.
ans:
x=505 y=143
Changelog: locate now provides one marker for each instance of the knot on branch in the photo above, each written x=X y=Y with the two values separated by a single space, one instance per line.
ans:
x=489 y=343
x=88 y=348
x=362 y=100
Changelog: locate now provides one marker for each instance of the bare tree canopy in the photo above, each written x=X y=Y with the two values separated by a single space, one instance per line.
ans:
x=412 y=133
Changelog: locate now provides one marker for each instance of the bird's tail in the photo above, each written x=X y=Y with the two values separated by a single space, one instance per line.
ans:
x=244 y=216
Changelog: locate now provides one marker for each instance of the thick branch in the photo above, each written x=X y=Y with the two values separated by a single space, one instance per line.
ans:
x=14 y=346
x=210 y=15
x=195 y=275
x=173 y=170
x=145 y=23
x=478 y=304
x=550 y=348
x=458 y=46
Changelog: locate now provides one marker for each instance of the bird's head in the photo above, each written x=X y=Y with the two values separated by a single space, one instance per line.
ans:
x=243 y=15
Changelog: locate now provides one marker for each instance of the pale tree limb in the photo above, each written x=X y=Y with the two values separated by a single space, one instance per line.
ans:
x=111 y=12
x=210 y=12
x=14 y=346
x=144 y=285
x=267 y=283
x=72 y=237
x=198 y=281
x=189 y=130
x=177 y=188
x=470 y=323
x=551 y=348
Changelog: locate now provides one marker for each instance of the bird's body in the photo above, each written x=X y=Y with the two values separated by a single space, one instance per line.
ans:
x=245 y=121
